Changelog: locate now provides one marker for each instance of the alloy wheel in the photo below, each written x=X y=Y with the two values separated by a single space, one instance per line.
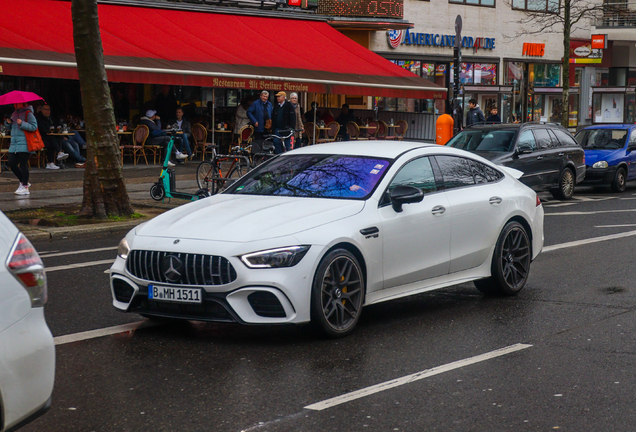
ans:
x=515 y=258
x=567 y=183
x=341 y=293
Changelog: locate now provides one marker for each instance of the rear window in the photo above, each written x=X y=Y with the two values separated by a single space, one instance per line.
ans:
x=484 y=140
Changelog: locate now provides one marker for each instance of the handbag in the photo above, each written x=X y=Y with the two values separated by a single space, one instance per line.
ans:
x=34 y=139
x=268 y=121
x=268 y=124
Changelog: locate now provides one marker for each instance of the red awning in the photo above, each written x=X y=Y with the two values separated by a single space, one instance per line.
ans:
x=162 y=46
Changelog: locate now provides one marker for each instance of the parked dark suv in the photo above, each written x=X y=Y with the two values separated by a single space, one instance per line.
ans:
x=546 y=153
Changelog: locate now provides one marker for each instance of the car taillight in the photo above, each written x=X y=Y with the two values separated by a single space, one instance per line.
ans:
x=538 y=201
x=27 y=267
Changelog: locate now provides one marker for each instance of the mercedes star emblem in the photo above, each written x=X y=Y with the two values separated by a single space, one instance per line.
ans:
x=172 y=268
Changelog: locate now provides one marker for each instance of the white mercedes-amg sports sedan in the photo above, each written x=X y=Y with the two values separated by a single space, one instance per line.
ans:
x=319 y=232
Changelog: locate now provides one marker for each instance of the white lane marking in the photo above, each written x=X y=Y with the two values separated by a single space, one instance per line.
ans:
x=92 y=334
x=576 y=213
x=614 y=226
x=559 y=205
x=49 y=255
x=319 y=406
x=588 y=241
x=79 y=265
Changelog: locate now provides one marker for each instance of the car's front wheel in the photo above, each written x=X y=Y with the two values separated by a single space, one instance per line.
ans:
x=337 y=294
x=566 y=185
x=510 y=263
x=619 y=184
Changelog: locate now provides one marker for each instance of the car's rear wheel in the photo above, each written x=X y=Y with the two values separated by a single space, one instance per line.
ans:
x=510 y=263
x=337 y=294
x=566 y=185
x=619 y=184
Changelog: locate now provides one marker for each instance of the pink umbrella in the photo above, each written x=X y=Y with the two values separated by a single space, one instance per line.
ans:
x=16 y=96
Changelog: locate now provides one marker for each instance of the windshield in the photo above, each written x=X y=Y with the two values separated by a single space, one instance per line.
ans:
x=323 y=176
x=484 y=140
x=607 y=139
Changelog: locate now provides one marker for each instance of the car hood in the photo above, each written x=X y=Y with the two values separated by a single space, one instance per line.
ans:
x=592 y=156
x=243 y=218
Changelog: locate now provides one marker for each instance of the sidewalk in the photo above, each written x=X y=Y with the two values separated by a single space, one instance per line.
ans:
x=64 y=187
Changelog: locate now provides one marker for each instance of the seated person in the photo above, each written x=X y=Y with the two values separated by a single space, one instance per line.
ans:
x=327 y=116
x=345 y=116
x=73 y=145
x=158 y=136
x=181 y=123
x=309 y=115
x=47 y=125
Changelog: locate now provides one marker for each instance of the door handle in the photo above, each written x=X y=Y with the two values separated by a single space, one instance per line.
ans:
x=438 y=210
x=539 y=157
x=369 y=231
x=495 y=200
x=561 y=154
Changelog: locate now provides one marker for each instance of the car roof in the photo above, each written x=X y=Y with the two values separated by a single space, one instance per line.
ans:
x=383 y=149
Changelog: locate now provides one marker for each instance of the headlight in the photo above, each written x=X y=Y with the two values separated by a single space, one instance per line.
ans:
x=275 y=258
x=123 y=249
x=600 y=164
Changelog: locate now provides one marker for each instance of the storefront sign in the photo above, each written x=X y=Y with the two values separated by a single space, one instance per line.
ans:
x=362 y=8
x=599 y=41
x=437 y=40
x=533 y=49
x=581 y=51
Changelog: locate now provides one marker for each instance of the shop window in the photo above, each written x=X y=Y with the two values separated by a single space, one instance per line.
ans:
x=428 y=71
x=489 y=3
x=630 y=115
x=466 y=73
x=631 y=78
x=573 y=110
x=577 y=77
x=409 y=65
x=544 y=75
x=485 y=73
x=551 y=6
x=608 y=107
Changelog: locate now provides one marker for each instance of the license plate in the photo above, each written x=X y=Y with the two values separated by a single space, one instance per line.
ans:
x=179 y=295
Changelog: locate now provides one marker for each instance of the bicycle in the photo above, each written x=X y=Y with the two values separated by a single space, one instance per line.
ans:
x=259 y=158
x=209 y=173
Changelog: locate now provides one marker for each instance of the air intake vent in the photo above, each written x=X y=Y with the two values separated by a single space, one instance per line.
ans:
x=123 y=291
x=266 y=304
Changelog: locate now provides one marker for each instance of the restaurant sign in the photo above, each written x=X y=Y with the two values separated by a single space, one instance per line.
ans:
x=396 y=38
x=582 y=52
x=260 y=85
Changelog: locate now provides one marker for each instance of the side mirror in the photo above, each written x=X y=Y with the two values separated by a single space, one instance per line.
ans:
x=524 y=148
x=405 y=195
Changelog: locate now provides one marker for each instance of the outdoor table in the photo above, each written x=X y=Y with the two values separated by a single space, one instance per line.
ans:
x=325 y=135
x=366 y=131
x=4 y=151
x=221 y=137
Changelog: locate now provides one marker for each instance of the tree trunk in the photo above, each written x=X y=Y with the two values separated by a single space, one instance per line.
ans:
x=567 y=26
x=104 y=188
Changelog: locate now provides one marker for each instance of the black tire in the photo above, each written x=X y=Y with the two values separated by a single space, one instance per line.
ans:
x=157 y=192
x=619 y=184
x=566 y=185
x=331 y=313
x=510 y=263
x=202 y=193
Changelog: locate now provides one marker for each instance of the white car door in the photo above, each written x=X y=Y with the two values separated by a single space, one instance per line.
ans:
x=479 y=206
x=416 y=240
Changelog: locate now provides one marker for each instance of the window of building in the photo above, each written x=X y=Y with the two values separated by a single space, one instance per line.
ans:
x=551 y=6
x=544 y=74
x=489 y=3
x=477 y=73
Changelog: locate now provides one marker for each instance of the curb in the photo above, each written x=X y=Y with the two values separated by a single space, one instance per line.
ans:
x=58 y=233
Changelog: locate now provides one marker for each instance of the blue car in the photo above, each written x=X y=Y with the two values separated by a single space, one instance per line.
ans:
x=610 y=154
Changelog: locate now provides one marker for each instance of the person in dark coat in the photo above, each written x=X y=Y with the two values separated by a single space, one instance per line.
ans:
x=51 y=143
x=474 y=115
x=345 y=116
x=259 y=112
x=309 y=115
x=180 y=122
x=283 y=119
x=494 y=116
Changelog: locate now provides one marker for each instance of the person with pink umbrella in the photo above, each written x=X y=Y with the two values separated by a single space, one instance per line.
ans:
x=21 y=120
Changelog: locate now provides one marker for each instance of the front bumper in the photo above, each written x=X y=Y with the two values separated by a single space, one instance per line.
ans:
x=27 y=369
x=599 y=175
x=256 y=296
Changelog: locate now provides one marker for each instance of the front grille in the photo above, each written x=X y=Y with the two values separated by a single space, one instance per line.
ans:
x=266 y=304
x=199 y=269
x=208 y=310
x=123 y=291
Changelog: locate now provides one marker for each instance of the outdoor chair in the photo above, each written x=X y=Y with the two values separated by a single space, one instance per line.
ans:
x=354 y=131
x=136 y=149
x=401 y=128
x=245 y=135
x=372 y=133
x=382 y=130
x=332 y=133
x=309 y=133
x=200 y=136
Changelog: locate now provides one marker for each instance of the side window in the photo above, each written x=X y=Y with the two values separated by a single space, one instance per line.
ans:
x=456 y=171
x=485 y=174
x=555 y=140
x=542 y=138
x=526 y=140
x=564 y=138
x=632 y=136
x=417 y=173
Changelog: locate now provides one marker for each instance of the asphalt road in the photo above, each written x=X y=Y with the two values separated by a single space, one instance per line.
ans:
x=569 y=364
